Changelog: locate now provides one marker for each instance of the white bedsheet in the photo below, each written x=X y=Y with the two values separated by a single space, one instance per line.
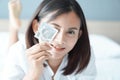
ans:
x=108 y=69
x=104 y=47
x=4 y=37
x=106 y=51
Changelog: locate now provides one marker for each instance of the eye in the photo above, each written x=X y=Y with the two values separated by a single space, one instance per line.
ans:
x=71 y=32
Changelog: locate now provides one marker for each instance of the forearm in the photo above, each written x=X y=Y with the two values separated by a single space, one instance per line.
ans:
x=13 y=31
x=13 y=37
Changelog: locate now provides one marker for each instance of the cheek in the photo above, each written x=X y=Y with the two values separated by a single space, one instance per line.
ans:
x=72 y=43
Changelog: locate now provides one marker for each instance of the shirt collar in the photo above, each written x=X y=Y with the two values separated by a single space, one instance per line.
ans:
x=59 y=72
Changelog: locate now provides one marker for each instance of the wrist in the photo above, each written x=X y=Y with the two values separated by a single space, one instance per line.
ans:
x=32 y=76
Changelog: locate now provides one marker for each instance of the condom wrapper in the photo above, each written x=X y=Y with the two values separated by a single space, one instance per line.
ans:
x=46 y=32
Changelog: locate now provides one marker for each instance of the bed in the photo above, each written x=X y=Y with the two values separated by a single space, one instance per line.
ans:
x=106 y=49
x=107 y=53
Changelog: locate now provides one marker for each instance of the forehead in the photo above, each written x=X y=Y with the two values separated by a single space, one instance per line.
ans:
x=68 y=19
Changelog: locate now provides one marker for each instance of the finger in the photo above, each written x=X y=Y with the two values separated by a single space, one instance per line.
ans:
x=39 y=59
x=37 y=48
x=38 y=55
x=45 y=43
x=42 y=59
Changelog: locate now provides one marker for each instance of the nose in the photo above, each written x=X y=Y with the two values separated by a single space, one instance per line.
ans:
x=60 y=38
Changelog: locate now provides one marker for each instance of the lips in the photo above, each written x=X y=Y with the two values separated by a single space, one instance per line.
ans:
x=57 y=48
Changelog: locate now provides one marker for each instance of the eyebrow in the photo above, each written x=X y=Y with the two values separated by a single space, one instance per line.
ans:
x=69 y=28
x=56 y=24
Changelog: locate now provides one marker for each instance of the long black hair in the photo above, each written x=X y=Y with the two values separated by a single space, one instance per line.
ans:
x=79 y=56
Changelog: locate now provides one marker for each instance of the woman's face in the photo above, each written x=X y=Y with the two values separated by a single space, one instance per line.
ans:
x=68 y=26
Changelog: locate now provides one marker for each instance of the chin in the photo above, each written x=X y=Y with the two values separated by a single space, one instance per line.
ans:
x=54 y=56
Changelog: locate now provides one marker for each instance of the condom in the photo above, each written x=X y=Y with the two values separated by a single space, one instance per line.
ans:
x=46 y=32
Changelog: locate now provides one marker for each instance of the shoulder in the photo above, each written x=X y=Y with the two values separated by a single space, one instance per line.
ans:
x=20 y=45
x=91 y=68
x=89 y=73
x=17 y=50
x=16 y=55
x=92 y=56
x=15 y=62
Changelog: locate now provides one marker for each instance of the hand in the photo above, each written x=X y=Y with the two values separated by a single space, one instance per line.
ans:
x=14 y=7
x=37 y=55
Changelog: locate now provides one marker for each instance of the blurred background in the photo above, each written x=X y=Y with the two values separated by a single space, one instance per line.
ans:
x=103 y=16
x=103 y=20
x=93 y=9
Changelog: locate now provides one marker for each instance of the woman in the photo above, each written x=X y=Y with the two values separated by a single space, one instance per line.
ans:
x=67 y=57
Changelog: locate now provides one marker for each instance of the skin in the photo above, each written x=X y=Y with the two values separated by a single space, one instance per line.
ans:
x=14 y=7
x=68 y=25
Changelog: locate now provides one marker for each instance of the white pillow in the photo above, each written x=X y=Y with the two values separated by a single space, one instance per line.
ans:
x=3 y=48
x=3 y=43
x=4 y=37
x=104 y=47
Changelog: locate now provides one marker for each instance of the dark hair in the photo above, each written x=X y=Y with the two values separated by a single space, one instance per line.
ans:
x=79 y=56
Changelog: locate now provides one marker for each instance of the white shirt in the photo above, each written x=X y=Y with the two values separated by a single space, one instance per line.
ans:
x=16 y=66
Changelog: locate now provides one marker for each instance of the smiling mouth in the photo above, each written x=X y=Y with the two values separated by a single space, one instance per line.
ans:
x=57 y=48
